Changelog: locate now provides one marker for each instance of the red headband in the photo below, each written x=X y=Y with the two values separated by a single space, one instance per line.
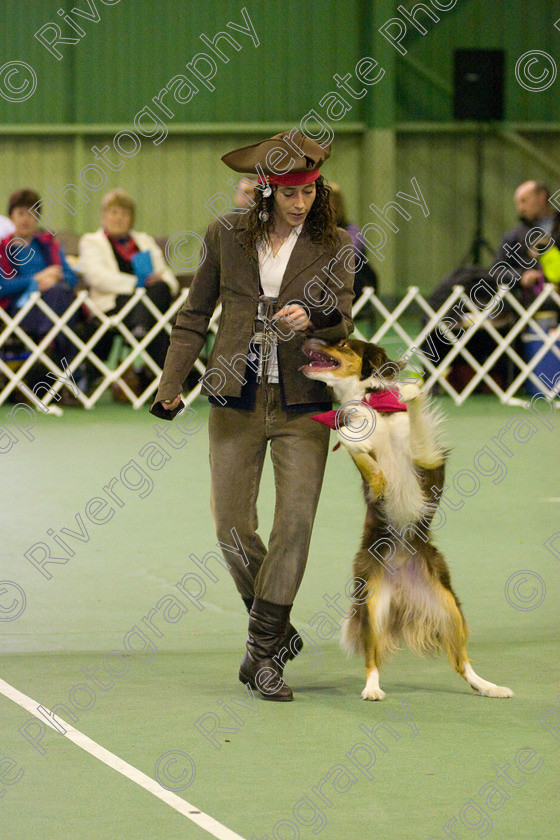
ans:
x=292 y=179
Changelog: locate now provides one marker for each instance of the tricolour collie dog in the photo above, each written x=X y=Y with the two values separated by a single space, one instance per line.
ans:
x=401 y=581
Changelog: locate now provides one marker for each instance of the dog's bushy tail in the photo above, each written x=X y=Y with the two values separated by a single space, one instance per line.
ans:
x=355 y=629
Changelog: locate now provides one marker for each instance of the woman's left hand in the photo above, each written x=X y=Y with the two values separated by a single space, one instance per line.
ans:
x=294 y=315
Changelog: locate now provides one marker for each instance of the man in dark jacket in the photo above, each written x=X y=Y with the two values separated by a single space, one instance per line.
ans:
x=537 y=219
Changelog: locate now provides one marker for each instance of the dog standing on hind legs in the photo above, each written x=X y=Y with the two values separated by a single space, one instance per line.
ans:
x=401 y=460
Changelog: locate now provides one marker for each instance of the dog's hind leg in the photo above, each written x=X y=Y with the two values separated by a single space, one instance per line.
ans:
x=487 y=689
x=372 y=691
x=377 y=642
x=426 y=449
x=454 y=641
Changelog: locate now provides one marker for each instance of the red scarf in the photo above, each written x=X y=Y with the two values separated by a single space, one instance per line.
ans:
x=124 y=245
x=385 y=401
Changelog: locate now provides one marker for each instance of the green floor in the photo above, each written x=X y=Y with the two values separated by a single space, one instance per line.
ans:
x=282 y=770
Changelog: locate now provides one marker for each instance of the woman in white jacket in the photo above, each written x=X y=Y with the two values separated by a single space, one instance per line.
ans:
x=107 y=261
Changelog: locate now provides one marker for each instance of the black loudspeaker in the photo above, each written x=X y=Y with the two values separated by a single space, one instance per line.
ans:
x=478 y=85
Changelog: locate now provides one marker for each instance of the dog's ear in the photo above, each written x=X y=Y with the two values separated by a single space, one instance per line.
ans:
x=390 y=371
x=373 y=358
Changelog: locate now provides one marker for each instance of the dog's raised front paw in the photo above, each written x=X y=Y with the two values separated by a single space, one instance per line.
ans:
x=356 y=445
x=371 y=473
x=409 y=391
x=373 y=694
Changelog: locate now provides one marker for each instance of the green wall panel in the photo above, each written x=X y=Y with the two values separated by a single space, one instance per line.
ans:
x=52 y=100
x=136 y=48
x=281 y=78
x=35 y=162
x=512 y=25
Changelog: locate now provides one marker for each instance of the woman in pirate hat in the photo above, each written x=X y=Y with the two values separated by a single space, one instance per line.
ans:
x=283 y=272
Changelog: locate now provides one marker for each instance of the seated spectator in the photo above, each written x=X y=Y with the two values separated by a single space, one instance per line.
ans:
x=532 y=203
x=520 y=257
x=34 y=261
x=107 y=261
x=364 y=276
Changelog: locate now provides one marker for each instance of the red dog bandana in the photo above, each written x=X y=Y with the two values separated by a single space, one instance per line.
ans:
x=380 y=401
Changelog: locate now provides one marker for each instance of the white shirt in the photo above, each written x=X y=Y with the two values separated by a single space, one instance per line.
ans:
x=272 y=269
x=6 y=227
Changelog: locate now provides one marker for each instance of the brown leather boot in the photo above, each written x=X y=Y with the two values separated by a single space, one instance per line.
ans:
x=259 y=669
x=291 y=644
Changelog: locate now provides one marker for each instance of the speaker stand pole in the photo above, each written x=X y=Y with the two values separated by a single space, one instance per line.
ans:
x=478 y=243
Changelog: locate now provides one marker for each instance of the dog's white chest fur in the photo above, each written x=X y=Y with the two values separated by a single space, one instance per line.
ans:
x=395 y=441
x=388 y=443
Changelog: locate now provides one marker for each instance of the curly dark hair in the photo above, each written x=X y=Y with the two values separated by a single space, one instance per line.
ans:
x=320 y=223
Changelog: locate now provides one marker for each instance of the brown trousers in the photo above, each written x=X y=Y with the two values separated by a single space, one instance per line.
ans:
x=298 y=448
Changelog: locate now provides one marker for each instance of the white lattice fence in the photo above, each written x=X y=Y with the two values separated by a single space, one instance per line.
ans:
x=60 y=375
x=456 y=337
x=436 y=367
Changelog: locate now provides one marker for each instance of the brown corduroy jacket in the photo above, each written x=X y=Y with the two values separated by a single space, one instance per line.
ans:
x=229 y=275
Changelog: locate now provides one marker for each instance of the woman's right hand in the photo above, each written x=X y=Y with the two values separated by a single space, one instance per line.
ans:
x=48 y=277
x=170 y=405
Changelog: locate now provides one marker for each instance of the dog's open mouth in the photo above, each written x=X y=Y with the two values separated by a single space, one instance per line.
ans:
x=319 y=360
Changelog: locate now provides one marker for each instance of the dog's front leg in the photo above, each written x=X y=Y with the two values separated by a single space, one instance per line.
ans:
x=370 y=471
x=426 y=450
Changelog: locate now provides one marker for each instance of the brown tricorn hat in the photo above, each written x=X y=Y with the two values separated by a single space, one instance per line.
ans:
x=289 y=159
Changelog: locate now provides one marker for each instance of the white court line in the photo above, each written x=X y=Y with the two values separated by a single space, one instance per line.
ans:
x=205 y=822
x=553 y=499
